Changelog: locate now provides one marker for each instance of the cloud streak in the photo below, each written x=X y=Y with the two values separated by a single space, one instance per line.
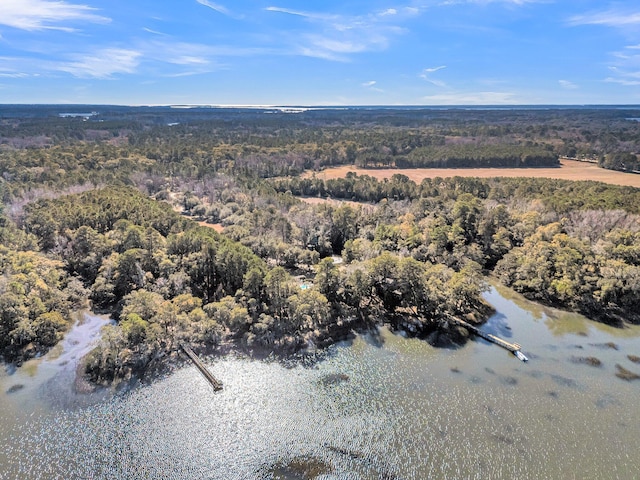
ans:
x=335 y=37
x=609 y=18
x=426 y=75
x=627 y=73
x=625 y=63
x=623 y=81
x=103 y=64
x=567 y=84
x=215 y=6
x=371 y=85
x=46 y=15
x=14 y=75
x=155 y=32
x=300 y=13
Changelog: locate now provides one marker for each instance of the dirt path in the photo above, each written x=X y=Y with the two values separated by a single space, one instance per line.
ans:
x=569 y=170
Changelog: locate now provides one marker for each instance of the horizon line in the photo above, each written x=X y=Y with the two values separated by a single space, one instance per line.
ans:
x=322 y=106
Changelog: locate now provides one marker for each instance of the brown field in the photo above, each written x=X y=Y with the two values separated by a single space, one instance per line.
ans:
x=569 y=170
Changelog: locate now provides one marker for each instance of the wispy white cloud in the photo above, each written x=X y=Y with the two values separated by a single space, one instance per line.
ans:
x=162 y=58
x=186 y=74
x=21 y=67
x=14 y=75
x=215 y=6
x=609 y=18
x=103 y=63
x=627 y=73
x=625 y=63
x=300 y=13
x=627 y=82
x=335 y=36
x=472 y=98
x=185 y=53
x=177 y=53
x=155 y=32
x=625 y=67
x=567 y=84
x=46 y=14
x=318 y=52
x=371 y=85
x=335 y=49
x=426 y=75
x=189 y=60
x=433 y=69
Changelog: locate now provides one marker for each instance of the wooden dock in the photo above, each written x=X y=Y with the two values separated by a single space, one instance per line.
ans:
x=512 y=347
x=215 y=383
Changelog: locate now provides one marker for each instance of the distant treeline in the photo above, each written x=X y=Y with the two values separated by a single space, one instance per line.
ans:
x=623 y=161
x=37 y=147
x=559 y=195
x=463 y=156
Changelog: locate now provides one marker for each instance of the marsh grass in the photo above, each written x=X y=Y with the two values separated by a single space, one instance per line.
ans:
x=625 y=374
x=634 y=358
x=591 y=361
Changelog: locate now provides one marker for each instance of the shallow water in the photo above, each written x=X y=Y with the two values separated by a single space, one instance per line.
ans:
x=385 y=407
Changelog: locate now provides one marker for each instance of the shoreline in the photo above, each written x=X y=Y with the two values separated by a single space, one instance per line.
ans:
x=438 y=333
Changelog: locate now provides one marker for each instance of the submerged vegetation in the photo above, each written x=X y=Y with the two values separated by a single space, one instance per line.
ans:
x=95 y=213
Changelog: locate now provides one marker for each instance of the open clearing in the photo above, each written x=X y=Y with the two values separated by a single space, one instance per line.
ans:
x=218 y=227
x=569 y=170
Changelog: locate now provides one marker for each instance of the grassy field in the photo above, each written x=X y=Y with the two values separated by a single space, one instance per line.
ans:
x=569 y=170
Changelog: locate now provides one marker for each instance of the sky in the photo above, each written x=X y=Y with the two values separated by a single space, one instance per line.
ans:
x=320 y=52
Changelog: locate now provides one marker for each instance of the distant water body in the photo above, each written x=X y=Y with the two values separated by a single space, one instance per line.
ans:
x=400 y=108
x=91 y=110
x=379 y=407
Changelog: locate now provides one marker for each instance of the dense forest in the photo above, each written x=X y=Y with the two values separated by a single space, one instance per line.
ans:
x=96 y=211
x=167 y=280
x=108 y=144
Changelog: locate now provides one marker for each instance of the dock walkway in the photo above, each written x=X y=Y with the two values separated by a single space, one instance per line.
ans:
x=512 y=347
x=215 y=383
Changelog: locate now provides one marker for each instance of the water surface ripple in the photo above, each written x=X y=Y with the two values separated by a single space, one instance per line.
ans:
x=400 y=410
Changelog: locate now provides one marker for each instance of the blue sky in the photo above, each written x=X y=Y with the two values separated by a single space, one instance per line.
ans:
x=329 y=52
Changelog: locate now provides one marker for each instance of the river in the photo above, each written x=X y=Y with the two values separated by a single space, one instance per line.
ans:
x=377 y=407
